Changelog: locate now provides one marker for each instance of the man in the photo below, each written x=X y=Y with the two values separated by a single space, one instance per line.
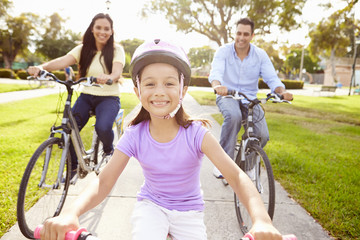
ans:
x=238 y=66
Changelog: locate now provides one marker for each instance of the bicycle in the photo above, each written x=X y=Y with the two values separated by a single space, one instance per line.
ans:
x=46 y=179
x=82 y=234
x=252 y=159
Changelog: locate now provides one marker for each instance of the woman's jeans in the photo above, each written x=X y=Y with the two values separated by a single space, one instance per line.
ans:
x=234 y=112
x=105 y=109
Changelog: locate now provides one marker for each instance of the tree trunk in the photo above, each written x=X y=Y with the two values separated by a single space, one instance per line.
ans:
x=333 y=67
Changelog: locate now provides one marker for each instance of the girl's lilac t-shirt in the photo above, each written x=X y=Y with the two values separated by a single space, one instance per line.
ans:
x=172 y=169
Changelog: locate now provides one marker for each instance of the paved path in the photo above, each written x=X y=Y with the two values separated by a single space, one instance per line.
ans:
x=110 y=220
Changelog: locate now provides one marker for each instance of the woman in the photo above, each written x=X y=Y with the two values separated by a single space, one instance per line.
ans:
x=100 y=57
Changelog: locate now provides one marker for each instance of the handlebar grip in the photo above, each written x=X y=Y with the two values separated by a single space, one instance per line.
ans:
x=79 y=234
x=109 y=82
x=249 y=236
x=230 y=92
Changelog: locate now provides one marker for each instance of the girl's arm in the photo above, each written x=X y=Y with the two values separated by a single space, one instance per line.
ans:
x=243 y=187
x=55 y=64
x=93 y=194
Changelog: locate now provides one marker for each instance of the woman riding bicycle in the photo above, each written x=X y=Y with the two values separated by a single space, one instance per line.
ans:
x=100 y=57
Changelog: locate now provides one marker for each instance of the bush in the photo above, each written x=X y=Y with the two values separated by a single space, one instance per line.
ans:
x=199 y=81
x=289 y=84
x=22 y=74
x=126 y=75
x=7 y=73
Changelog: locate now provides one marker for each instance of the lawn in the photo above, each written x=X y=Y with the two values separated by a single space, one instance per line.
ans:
x=24 y=125
x=13 y=87
x=314 y=151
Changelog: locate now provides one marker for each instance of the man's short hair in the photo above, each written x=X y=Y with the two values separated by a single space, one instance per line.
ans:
x=247 y=21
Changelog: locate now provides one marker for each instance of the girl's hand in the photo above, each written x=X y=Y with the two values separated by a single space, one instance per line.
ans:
x=103 y=78
x=56 y=228
x=265 y=231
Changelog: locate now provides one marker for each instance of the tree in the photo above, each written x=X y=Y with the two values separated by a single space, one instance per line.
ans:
x=201 y=56
x=16 y=37
x=57 y=41
x=129 y=48
x=130 y=45
x=273 y=54
x=216 y=18
x=293 y=59
x=332 y=36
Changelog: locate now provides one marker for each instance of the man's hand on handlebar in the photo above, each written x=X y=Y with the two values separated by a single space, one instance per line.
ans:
x=287 y=96
x=221 y=90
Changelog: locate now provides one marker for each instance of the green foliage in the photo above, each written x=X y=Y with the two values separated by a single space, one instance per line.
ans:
x=7 y=73
x=14 y=87
x=22 y=74
x=314 y=154
x=131 y=45
x=201 y=56
x=24 y=125
x=215 y=19
x=56 y=41
x=293 y=60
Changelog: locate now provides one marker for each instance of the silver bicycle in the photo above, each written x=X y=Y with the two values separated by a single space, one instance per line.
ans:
x=46 y=180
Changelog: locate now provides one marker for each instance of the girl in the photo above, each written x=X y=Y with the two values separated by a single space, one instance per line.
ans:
x=99 y=57
x=169 y=147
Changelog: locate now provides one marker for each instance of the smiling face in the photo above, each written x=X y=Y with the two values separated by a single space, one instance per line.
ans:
x=243 y=37
x=102 y=31
x=159 y=88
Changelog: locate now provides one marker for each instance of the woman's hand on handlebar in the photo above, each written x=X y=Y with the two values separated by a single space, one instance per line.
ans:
x=34 y=70
x=57 y=227
x=103 y=79
x=221 y=90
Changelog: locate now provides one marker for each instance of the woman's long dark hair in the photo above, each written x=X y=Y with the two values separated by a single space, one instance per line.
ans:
x=89 y=49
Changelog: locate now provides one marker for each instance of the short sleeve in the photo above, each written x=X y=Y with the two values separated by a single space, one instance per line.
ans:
x=119 y=55
x=126 y=143
x=75 y=52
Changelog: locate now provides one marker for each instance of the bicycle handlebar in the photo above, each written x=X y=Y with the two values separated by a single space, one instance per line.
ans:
x=249 y=236
x=90 y=80
x=276 y=98
x=80 y=234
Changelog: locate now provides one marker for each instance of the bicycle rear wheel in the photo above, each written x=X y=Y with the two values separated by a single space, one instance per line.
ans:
x=40 y=199
x=258 y=168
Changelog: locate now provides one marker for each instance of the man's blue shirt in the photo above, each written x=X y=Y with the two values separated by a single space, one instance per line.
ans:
x=244 y=75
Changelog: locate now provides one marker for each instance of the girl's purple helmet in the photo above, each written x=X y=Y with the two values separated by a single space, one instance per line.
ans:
x=159 y=51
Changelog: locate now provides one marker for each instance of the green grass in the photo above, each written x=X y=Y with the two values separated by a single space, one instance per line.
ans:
x=314 y=152
x=24 y=125
x=13 y=87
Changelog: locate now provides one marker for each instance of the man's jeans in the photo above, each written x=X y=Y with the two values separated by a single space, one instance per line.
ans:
x=105 y=109
x=234 y=112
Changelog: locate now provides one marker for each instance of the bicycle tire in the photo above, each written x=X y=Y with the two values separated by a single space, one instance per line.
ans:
x=266 y=187
x=34 y=83
x=31 y=197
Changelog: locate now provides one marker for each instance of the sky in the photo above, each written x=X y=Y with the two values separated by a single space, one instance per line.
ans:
x=128 y=23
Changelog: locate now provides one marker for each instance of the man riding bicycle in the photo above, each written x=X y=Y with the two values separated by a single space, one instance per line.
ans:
x=238 y=66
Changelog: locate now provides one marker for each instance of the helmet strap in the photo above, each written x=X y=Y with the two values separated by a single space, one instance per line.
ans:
x=173 y=113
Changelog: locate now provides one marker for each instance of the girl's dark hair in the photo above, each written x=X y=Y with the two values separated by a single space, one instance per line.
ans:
x=89 y=49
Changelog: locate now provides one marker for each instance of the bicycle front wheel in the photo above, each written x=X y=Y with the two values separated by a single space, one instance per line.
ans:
x=258 y=168
x=42 y=193
x=34 y=83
